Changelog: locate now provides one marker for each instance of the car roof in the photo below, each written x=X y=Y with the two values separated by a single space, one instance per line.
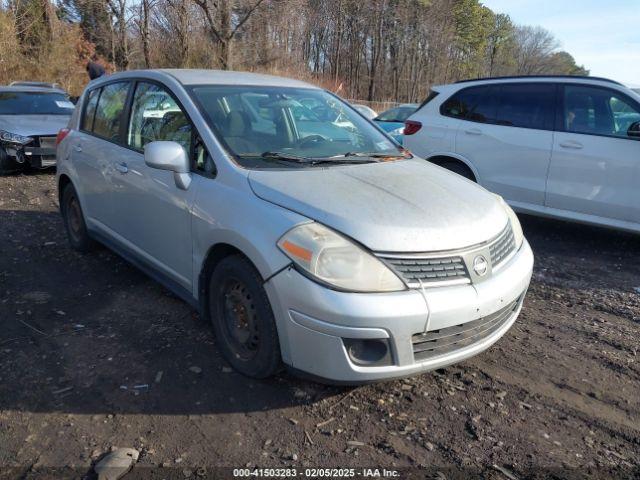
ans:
x=30 y=89
x=214 y=77
x=32 y=83
x=536 y=78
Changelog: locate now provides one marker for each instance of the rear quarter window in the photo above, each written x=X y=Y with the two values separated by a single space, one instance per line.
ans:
x=462 y=103
x=90 y=110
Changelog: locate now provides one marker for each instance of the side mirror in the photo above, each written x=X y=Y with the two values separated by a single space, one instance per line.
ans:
x=169 y=156
x=634 y=130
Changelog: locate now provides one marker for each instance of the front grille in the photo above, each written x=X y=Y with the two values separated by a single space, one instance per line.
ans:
x=440 y=342
x=42 y=151
x=430 y=270
x=48 y=146
x=48 y=143
x=503 y=246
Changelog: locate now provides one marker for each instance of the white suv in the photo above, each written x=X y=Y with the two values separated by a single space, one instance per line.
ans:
x=565 y=147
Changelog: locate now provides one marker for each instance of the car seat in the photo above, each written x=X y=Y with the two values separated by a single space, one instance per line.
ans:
x=237 y=132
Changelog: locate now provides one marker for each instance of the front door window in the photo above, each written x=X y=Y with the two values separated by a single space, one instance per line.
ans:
x=155 y=115
x=598 y=111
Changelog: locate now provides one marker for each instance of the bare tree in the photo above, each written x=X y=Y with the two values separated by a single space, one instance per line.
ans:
x=120 y=48
x=218 y=16
x=380 y=50
x=534 y=47
x=142 y=22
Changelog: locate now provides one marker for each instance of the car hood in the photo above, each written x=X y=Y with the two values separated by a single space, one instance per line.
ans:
x=402 y=206
x=33 y=125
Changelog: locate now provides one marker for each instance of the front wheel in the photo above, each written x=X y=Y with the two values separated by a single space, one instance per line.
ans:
x=242 y=318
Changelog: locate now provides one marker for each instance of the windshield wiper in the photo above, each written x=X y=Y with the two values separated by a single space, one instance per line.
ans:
x=377 y=155
x=290 y=157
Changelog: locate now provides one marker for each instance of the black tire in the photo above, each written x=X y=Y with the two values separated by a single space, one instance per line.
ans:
x=242 y=318
x=74 y=223
x=459 y=168
x=8 y=164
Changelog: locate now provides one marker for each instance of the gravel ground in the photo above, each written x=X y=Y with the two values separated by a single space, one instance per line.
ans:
x=94 y=354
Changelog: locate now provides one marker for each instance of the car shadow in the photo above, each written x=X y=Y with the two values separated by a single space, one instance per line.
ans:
x=92 y=334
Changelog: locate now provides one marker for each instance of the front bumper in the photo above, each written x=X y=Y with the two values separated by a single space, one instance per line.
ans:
x=313 y=321
x=41 y=153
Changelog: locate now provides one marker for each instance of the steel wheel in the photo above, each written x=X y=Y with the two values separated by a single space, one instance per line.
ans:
x=242 y=318
x=239 y=317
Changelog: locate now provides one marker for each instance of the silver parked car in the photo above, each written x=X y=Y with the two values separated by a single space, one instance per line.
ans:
x=30 y=118
x=322 y=246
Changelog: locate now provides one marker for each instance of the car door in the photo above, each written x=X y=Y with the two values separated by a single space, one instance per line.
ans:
x=506 y=131
x=153 y=214
x=595 y=165
x=93 y=150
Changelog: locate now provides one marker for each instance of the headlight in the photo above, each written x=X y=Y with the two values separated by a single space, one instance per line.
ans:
x=518 y=235
x=336 y=261
x=9 y=137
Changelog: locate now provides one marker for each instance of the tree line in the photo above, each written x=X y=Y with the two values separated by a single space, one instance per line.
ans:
x=363 y=49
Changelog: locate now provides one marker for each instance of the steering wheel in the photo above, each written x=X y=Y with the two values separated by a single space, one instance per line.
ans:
x=312 y=140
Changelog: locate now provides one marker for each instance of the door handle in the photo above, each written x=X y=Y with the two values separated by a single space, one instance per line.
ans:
x=122 y=168
x=473 y=131
x=77 y=148
x=571 y=144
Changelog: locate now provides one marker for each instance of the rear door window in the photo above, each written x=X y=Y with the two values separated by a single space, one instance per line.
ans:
x=108 y=116
x=526 y=105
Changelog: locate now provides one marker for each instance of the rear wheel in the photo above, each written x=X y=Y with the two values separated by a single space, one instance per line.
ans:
x=242 y=318
x=74 y=223
x=459 y=168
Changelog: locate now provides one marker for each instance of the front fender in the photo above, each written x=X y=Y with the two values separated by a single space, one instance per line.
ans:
x=223 y=214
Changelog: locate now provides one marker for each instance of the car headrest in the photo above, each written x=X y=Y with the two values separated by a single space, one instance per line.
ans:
x=237 y=123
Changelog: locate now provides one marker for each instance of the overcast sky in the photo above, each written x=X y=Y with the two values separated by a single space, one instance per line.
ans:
x=602 y=35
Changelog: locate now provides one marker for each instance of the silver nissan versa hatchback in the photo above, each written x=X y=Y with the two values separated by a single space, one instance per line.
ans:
x=305 y=234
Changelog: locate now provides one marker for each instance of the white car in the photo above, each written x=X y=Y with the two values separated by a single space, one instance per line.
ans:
x=368 y=112
x=566 y=147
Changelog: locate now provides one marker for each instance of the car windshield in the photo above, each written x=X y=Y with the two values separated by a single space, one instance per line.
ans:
x=271 y=126
x=399 y=114
x=35 y=103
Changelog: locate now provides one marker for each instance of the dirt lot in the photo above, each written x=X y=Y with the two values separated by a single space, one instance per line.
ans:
x=93 y=354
